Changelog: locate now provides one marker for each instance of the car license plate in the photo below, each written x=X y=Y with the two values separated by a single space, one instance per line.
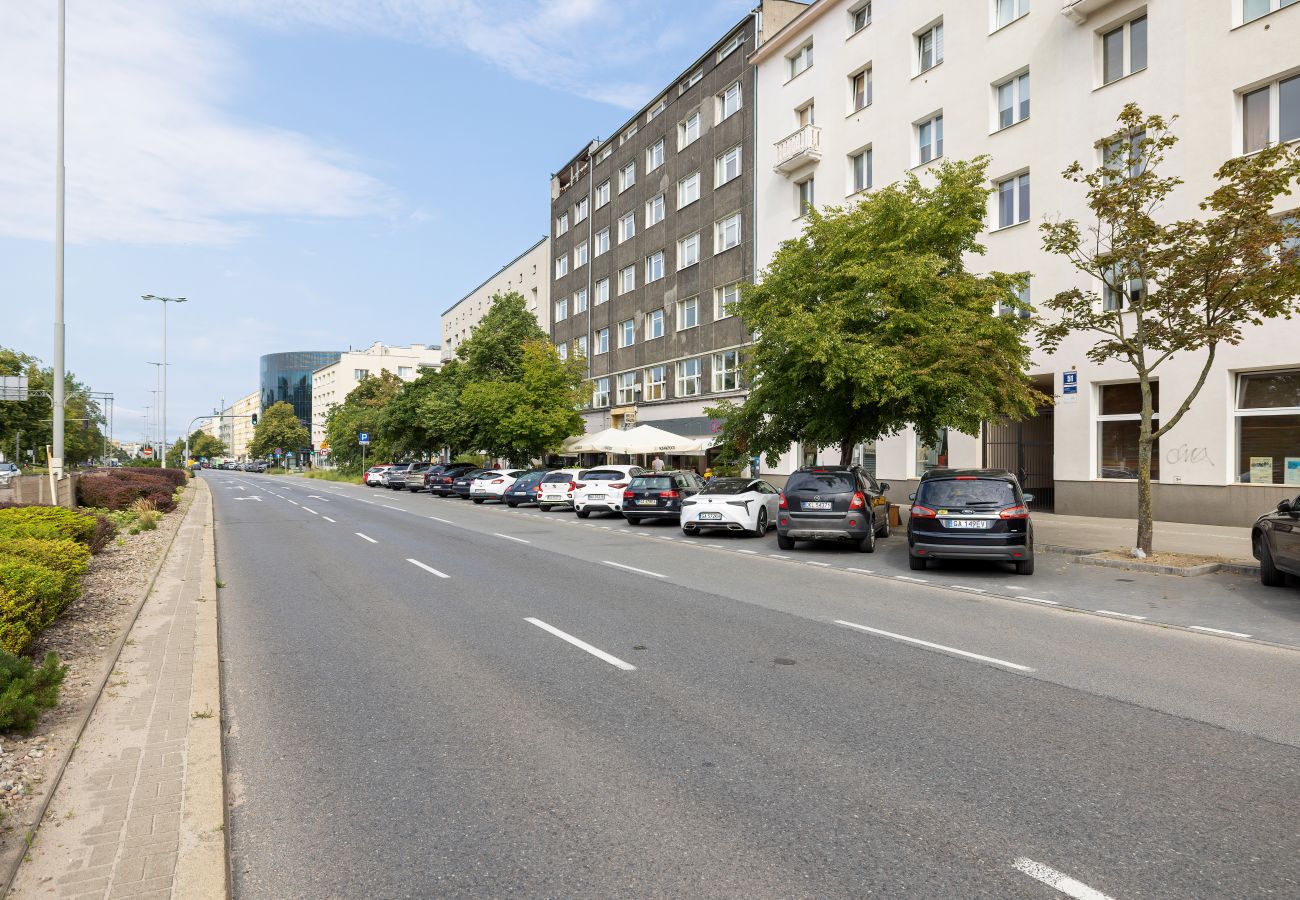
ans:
x=647 y=503
x=710 y=517
x=966 y=523
x=817 y=504
x=599 y=497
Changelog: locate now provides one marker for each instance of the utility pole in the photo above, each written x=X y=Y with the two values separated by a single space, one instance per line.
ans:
x=56 y=458
x=165 y=301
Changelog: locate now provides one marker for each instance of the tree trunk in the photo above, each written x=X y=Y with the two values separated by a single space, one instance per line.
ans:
x=846 y=451
x=1145 y=524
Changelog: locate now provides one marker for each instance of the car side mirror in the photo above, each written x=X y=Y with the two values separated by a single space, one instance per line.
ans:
x=1284 y=506
x=884 y=486
x=1028 y=498
x=911 y=496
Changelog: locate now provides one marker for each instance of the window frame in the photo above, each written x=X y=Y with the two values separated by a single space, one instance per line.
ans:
x=935 y=123
x=1241 y=413
x=653 y=328
x=1274 y=87
x=580 y=211
x=602 y=193
x=627 y=176
x=650 y=383
x=600 y=394
x=693 y=120
x=626 y=333
x=684 y=381
x=799 y=60
x=655 y=263
x=561 y=309
x=1021 y=196
x=581 y=255
x=661 y=203
x=721 y=371
x=625 y=388
x=562 y=224
x=995 y=6
x=601 y=341
x=600 y=287
x=626 y=274
x=1021 y=89
x=868 y=94
x=683 y=246
x=682 y=306
x=1102 y=418
x=721 y=308
x=855 y=11
x=624 y=234
x=805 y=196
x=683 y=185
x=722 y=96
x=720 y=163
x=580 y=300
x=933 y=31
x=719 y=230
x=656 y=150
x=868 y=157
x=1125 y=30
x=600 y=242
x=561 y=265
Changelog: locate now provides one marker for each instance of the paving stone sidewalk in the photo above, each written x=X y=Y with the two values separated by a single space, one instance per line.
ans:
x=139 y=810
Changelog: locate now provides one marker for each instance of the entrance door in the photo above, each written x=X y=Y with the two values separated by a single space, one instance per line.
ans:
x=1026 y=449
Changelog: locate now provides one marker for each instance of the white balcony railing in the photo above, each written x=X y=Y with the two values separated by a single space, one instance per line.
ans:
x=799 y=149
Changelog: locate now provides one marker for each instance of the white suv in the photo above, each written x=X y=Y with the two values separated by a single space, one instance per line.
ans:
x=556 y=489
x=601 y=489
x=8 y=470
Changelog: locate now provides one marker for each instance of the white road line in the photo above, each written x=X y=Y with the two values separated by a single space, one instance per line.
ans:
x=910 y=578
x=1039 y=600
x=294 y=502
x=430 y=569
x=509 y=538
x=582 y=645
x=933 y=646
x=777 y=556
x=310 y=510
x=1110 y=612
x=752 y=552
x=327 y=518
x=633 y=569
x=962 y=587
x=317 y=497
x=814 y=563
x=390 y=506
x=365 y=537
x=715 y=546
x=1068 y=886
x=1218 y=631
x=443 y=521
x=859 y=571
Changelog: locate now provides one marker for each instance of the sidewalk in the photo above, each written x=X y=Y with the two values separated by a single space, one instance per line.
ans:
x=139 y=810
x=1229 y=543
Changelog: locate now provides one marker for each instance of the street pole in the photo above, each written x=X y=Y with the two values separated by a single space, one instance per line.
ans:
x=56 y=462
x=165 y=301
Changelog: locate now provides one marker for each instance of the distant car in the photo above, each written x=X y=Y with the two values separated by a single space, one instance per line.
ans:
x=525 y=489
x=601 y=489
x=375 y=476
x=659 y=495
x=493 y=484
x=8 y=471
x=441 y=483
x=732 y=504
x=261 y=465
x=414 y=478
x=395 y=477
x=460 y=487
x=832 y=503
x=1275 y=541
x=970 y=514
x=557 y=488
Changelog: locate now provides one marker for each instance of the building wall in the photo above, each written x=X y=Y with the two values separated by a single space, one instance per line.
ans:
x=526 y=274
x=1200 y=58
x=240 y=423
x=332 y=383
x=287 y=377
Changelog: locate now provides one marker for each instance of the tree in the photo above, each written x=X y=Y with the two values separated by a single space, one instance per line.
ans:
x=204 y=445
x=362 y=410
x=28 y=424
x=869 y=322
x=1174 y=288
x=279 y=427
x=494 y=350
x=425 y=415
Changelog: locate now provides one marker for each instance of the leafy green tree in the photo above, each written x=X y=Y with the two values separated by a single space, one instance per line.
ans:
x=204 y=445
x=362 y=410
x=279 y=427
x=1178 y=287
x=28 y=424
x=870 y=322
x=426 y=415
x=494 y=350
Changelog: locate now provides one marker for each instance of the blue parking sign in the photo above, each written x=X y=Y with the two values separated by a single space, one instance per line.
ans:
x=364 y=438
x=1069 y=382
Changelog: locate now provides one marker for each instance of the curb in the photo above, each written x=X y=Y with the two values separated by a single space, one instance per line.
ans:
x=1095 y=558
x=88 y=709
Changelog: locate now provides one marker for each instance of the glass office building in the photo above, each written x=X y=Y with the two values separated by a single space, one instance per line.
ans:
x=287 y=377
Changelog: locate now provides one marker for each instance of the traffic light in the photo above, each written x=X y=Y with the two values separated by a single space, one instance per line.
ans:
x=254 y=420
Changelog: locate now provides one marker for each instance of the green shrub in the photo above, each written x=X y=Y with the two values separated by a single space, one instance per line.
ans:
x=26 y=689
x=70 y=523
x=68 y=558
x=31 y=596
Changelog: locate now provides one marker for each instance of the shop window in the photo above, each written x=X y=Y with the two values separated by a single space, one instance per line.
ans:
x=1119 y=423
x=932 y=456
x=1268 y=427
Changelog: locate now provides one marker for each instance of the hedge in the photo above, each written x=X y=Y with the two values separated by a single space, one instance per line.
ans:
x=31 y=597
x=67 y=558
x=63 y=523
x=120 y=488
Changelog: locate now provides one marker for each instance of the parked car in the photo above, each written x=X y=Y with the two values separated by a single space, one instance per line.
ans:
x=832 y=503
x=525 y=488
x=1275 y=541
x=970 y=514
x=557 y=488
x=492 y=485
x=659 y=495
x=414 y=479
x=440 y=484
x=601 y=489
x=8 y=471
x=395 y=478
x=261 y=466
x=732 y=504
x=460 y=487
x=375 y=476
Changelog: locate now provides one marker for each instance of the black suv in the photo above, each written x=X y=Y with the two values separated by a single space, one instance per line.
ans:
x=440 y=484
x=971 y=514
x=658 y=495
x=1275 y=541
x=832 y=503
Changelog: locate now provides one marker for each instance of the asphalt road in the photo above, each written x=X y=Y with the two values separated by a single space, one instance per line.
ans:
x=408 y=715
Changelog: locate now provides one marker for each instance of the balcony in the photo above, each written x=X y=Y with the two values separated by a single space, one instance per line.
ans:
x=1077 y=11
x=797 y=150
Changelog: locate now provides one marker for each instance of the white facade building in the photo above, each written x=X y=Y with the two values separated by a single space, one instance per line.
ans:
x=330 y=385
x=527 y=274
x=856 y=94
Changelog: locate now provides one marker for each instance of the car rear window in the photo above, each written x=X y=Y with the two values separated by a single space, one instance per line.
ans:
x=602 y=475
x=727 y=486
x=557 y=478
x=966 y=492
x=489 y=474
x=653 y=482
x=831 y=482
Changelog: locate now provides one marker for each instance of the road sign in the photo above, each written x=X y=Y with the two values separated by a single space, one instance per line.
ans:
x=1069 y=387
x=147 y=452
x=278 y=453
x=364 y=438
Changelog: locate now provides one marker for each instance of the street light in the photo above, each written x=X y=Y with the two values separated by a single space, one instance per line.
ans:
x=164 y=301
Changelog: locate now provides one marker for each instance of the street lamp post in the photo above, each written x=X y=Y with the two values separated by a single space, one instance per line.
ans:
x=164 y=301
x=57 y=413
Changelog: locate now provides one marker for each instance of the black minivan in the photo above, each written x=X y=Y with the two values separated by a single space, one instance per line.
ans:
x=971 y=514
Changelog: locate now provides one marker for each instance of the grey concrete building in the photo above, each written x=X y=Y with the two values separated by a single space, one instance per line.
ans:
x=651 y=235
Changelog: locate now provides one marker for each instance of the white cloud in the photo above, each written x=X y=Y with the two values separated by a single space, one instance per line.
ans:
x=152 y=157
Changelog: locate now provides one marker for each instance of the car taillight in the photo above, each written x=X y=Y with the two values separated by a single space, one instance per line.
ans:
x=859 y=500
x=537 y=490
x=573 y=486
x=922 y=512
x=781 y=503
x=628 y=495
x=966 y=478
x=619 y=486
x=670 y=495
x=1015 y=512
x=498 y=481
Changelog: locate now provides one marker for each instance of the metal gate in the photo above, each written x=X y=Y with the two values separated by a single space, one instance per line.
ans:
x=1027 y=450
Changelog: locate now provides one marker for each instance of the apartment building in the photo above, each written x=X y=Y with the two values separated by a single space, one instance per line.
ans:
x=652 y=235
x=858 y=93
x=331 y=383
x=233 y=424
x=528 y=274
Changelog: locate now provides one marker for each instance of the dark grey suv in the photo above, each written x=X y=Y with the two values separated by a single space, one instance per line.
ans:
x=832 y=503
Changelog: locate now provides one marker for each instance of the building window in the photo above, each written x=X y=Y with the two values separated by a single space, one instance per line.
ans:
x=731 y=46
x=688 y=130
x=601 y=242
x=580 y=211
x=654 y=155
x=1124 y=50
x=627 y=136
x=656 y=383
x=724 y=300
x=690 y=81
x=600 y=396
x=626 y=280
x=657 y=109
x=859 y=17
x=688 y=378
x=1124 y=157
x=562 y=224
x=602 y=194
x=688 y=313
x=929 y=139
x=929 y=47
x=1119 y=422
x=860 y=90
x=562 y=350
x=604 y=154
x=602 y=291
x=360 y=374
x=580 y=255
x=726 y=370
x=688 y=190
x=728 y=101
x=602 y=341
x=1271 y=114
x=580 y=300
x=654 y=266
x=1021 y=309
x=1118 y=293
x=654 y=324
x=561 y=266
x=626 y=388
x=580 y=345
x=1007 y=11
x=726 y=233
x=561 y=309
x=626 y=227
x=654 y=210
x=801 y=59
x=932 y=456
x=627 y=176
x=726 y=167
x=804 y=196
x=1013 y=200
x=1268 y=427
x=860 y=171
x=1253 y=9
x=1013 y=100
x=688 y=251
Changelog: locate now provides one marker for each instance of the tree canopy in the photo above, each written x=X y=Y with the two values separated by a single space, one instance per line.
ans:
x=27 y=424
x=279 y=427
x=362 y=410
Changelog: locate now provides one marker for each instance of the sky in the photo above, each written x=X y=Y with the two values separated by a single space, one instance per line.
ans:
x=309 y=174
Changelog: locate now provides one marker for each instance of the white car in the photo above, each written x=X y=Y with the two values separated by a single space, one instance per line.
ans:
x=375 y=475
x=8 y=471
x=557 y=488
x=493 y=484
x=601 y=489
x=732 y=504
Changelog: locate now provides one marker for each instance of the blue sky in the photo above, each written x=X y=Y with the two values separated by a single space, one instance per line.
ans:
x=312 y=174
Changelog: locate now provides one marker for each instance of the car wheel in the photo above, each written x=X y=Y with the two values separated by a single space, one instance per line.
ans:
x=633 y=520
x=1025 y=566
x=690 y=530
x=884 y=527
x=916 y=563
x=1269 y=574
x=511 y=504
x=478 y=500
x=760 y=527
x=583 y=513
x=785 y=543
x=544 y=507
x=868 y=543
